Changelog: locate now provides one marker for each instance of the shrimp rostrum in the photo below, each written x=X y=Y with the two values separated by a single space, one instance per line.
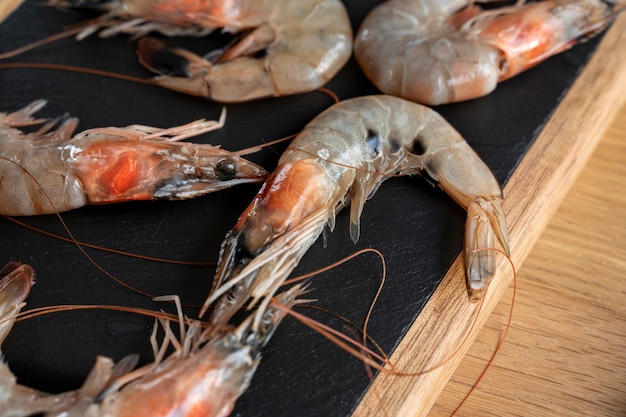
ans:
x=50 y=170
x=443 y=51
x=282 y=47
x=340 y=158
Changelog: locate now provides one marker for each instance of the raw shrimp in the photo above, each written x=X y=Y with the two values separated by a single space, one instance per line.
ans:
x=286 y=47
x=50 y=171
x=203 y=377
x=342 y=157
x=443 y=51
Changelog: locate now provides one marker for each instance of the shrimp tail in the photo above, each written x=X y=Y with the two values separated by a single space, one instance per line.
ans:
x=484 y=225
x=178 y=69
x=183 y=71
x=16 y=281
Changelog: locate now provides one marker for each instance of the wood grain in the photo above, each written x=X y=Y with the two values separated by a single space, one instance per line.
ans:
x=443 y=333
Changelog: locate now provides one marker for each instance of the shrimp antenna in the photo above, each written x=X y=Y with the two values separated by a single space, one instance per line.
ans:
x=41 y=311
x=340 y=339
x=349 y=344
x=73 y=68
x=105 y=249
x=49 y=39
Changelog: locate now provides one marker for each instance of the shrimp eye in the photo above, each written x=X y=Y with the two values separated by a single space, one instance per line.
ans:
x=418 y=147
x=226 y=169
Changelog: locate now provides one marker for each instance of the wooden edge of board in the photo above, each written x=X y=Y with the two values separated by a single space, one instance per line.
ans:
x=443 y=332
x=7 y=7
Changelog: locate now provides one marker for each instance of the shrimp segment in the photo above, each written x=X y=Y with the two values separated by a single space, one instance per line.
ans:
x=50 y=171
x=437 y=52
x=345 y=154
x=285 y=47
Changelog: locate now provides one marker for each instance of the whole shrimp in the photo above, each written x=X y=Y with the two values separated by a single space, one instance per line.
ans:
x=50 y=171
x=204 y=376
x=285 y=47
x=342 y=157
x=442 y=51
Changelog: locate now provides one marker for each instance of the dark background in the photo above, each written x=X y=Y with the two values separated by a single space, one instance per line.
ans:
x=418 y=228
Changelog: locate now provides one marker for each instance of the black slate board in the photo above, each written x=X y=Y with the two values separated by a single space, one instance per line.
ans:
x=418 y=228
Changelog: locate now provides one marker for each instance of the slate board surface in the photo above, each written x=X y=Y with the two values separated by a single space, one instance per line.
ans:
x=418 y=228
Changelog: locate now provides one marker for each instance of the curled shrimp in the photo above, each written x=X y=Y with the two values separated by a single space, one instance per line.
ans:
x=435 y=52
x=50 y=170
x=286 y=47
x=204 y=376
x=342 y=157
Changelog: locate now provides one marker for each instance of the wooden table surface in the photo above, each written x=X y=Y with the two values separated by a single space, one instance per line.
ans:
x=564 y=352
